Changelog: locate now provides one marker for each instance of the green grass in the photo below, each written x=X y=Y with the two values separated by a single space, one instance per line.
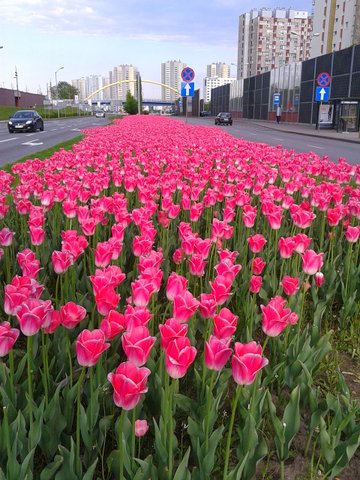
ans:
x=67 y=145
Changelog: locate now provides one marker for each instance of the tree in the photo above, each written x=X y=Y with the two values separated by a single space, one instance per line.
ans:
x=64 y=91
x=130 y=105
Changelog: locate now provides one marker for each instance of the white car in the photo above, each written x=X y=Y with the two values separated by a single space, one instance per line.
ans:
x=100 y=114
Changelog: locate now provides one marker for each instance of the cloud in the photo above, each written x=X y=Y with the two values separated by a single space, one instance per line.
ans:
x=201 y=23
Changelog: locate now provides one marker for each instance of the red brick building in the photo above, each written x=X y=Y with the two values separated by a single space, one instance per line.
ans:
x=12 y=98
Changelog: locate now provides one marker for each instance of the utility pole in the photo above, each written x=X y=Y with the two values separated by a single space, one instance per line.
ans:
x=17 y=95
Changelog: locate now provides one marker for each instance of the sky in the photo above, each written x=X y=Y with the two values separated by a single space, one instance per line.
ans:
x=90 y=37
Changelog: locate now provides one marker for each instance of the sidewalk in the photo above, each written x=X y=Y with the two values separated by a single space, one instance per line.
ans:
x=306 y=129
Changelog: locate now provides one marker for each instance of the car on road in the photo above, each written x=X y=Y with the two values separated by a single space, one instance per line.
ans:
x=223 y=118
x=24 y=121
x=205 y=113
x=100 y=114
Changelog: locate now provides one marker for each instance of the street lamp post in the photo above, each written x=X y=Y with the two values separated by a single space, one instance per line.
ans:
x=57 y=91
x=17 y=96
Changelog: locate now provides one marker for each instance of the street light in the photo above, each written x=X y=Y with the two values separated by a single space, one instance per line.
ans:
x=57 y=91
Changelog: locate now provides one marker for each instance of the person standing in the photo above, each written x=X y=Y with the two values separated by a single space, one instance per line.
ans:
x=278 y=114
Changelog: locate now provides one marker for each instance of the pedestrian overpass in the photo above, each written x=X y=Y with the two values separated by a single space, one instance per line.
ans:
x=145 y=102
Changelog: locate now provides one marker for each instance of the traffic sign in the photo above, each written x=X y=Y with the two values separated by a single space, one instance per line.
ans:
x=323 y=79
x=187 y=74
x=277 y=98
x=322 y=94
x=187 y=89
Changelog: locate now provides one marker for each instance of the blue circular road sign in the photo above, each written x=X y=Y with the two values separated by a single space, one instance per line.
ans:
x=187 y=74
x=323 y=79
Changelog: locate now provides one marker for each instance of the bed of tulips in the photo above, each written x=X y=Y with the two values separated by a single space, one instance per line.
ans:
x=168 y=298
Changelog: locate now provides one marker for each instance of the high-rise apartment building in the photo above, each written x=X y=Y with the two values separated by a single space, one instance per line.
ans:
x=127 y=75
x=171 y=76
x=213 y=82
x=336 y=25
x=221 y=70
x=271 y=38
x=88 y=85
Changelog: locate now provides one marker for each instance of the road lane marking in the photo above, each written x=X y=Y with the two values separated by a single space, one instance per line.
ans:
x=33 y=143
x=277 y=138
x=255 y=134
x=315 y=146
x=8 y=140
x=53 y=130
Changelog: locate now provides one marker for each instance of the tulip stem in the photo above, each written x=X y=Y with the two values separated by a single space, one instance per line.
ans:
x=231 y=426
x=120 y=444
x=91 y=375
x=166 y=408
x=171 y=433
x=45 y=367
x=7 y=433
x=208 y=408
x=12 y=385
x=80 y=381
x=70 y=362
x=30 y=392
x=133 y=416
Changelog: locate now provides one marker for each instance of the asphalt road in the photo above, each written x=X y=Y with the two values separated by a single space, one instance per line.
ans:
x=14 y=146
x=17 y=145
x=333 y=148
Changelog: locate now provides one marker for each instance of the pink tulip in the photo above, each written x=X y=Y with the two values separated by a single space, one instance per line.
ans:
x=136 y=317
x=171 y=330
x=197 y=265
x=141 y=292
x=319 y=279
x=247 y=361
x=286 y=246
x=258 y=265
x=141 y=427
x=312 y=262
x=275 y=318
x=89 y=347
x=176 y=285
x=178 y=256
x=71 y=315
x=290 y=285
x=103 y=254
x=302 y=242
x=54 y=322
x=217 y=353
x=301 y=218
x=352 y=234
x=227 y=269
x=61 y=261
x=129 y=383
x=32 y=315
x=207 y=305
x=255 y=284
x=106 y=300
x=256 y=242
x=249 y=216
x=37 y=235
x=225 y=324
x=112 y=324
x=6 y=237
x=179 y=355
x=221 y=289
x=137 y=344
x=8 y=337
x=185 y=305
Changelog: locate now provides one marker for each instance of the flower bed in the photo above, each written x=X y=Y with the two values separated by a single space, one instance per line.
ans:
x=170 y=282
